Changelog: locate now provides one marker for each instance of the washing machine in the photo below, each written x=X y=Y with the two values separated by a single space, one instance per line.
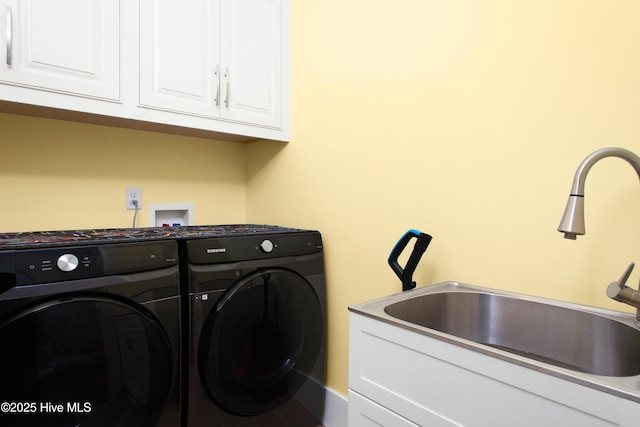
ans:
x=255 y=310
x=89 y=334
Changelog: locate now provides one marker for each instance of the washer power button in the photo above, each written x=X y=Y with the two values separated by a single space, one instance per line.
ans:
x=67 y=262
x=266 y=246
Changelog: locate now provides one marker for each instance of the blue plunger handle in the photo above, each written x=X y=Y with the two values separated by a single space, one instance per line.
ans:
x=406 y=274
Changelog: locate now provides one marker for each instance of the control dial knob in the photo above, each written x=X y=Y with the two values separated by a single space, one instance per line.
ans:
x=67 y=262
x=266 y=246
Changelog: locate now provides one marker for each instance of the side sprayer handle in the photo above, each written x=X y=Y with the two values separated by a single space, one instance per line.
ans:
x=406 y=274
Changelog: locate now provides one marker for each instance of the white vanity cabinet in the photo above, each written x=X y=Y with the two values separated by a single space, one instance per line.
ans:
x=400 y=378
x=220 y=59
x=65 y=46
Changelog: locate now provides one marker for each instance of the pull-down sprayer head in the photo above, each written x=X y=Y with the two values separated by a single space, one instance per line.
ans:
x=572 y=223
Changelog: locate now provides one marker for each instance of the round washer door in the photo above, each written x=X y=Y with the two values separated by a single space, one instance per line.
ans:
x=83 y=361
x=261 y=343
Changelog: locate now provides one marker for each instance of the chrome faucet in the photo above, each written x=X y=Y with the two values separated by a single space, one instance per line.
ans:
x=572 y=223
x=622 y=293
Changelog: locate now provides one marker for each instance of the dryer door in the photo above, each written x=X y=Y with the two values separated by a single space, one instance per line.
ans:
x=84 y=360
x=261 y=343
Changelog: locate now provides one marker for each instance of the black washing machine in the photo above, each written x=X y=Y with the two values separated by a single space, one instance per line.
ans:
x=90 y=335
x=255 y=323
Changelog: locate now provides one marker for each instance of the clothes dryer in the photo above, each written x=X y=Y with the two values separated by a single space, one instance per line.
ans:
x=89 y=334
x=256 y=314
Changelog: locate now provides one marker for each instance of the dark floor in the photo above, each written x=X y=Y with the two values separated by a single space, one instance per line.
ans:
x=290 y=414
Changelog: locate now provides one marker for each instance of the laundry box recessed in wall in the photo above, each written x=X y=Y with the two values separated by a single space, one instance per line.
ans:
x=170 y=214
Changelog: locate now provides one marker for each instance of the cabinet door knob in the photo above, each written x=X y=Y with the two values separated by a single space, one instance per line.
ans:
x=9 y=28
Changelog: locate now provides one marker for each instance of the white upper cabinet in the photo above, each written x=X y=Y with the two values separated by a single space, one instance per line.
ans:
x=178 y=55
x=67 y=46
x=213 y=58
x=251 y=58
x=215 y=68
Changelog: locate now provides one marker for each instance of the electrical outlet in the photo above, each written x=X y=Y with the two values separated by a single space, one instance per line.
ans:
x=134 y=194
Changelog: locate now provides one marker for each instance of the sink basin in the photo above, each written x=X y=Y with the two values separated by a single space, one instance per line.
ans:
x=564 y=336
x=464 y=355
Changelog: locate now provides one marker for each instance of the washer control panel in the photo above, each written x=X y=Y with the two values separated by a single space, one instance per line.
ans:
x=245 y=248
x=52 y=265
x=48 y=265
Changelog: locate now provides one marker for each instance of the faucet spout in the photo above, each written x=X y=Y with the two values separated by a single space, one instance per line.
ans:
x=572 y=223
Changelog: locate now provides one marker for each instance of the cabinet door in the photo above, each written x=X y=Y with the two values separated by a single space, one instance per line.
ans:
x=251 y=61
x=179 y=50
x=69 y=46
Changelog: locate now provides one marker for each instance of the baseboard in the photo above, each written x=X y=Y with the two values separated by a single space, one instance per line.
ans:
x=335 y=409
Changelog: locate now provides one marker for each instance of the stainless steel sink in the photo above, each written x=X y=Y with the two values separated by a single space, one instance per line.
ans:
x=594 y=347
x=567 y=337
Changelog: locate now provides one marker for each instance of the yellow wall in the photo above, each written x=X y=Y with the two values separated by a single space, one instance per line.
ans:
x=465 y=119
x=63 y=175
